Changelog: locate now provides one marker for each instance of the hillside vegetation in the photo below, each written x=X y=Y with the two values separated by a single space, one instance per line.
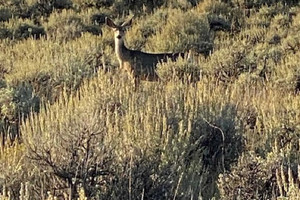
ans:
x=223 y=124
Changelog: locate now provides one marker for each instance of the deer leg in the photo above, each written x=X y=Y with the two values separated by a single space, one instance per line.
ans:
x=136 y=82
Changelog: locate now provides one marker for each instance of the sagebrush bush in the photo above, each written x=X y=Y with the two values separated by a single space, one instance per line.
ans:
x=68 y=25
x=26 y=100
x=14 y=172
x=48 y=74
x=143 y=28
x=16 y=104
x=42 y=77
x=259 y=3
x=5 y=33
x=93 y=3
x=263 y=177
x=182 y=4
x=137 y=6
x=181 y=32
x=38 y=9
x=228 y=66
x=98 y=18
x=224 y=12
x=5 y=14
x=21 y=29
x=216 y=136
x=252 y=178
x=64 y=26
x=182 y=69
x=25 y=31
x=7 y=105
x=16 y=7
x=62 y=4
x=2 y=83
x=90 y=165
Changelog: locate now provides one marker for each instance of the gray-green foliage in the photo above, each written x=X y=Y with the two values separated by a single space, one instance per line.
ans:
x=16 y=104
x=180 y=32
x=65 y=28
x=182 y=69
x=24 y=31
x=252 y=178
x=5 y=14
x=259 y=3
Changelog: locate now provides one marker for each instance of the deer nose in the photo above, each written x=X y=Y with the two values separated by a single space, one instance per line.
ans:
x=119 y=36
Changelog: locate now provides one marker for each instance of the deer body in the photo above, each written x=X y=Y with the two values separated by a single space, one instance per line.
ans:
x=139 y=65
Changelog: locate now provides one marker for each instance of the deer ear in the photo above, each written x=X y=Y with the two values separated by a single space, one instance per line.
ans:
x=128 y=22
x=110 y=23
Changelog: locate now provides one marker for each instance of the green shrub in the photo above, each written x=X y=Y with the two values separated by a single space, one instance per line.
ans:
x=224 y=11
x=39 y=9
x=93 y=3
x=5 y=14
x=259 y=3
x=68 y=25
x=228 y=66
x=181 y=4
x=8 y=124
x=77 y=71
x=263 y=176
x=19 y=29
x=252 y=178
x=24 y=31
x=285 y=75
x=181 y=31
x=64 y=26
x=7 y=104
x=145 y=28
x=62 y=4
x=16 y=7
x=297 y=85
x=16 y=104
x=254 y=35
x=291 y=44
x=5 y=33
x=25 y=100
x=90 y=166
x=2 y=83
x=138 y=6
x=182 y=69
x=98 y=18
x=215 y=143
x=34 y=8
x=13 y=170
x=93 y=29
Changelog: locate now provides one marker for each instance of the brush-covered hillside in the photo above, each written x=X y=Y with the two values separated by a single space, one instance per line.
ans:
x=222 y=123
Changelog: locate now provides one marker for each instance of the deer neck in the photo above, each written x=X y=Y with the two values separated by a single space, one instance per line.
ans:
x=121 y=50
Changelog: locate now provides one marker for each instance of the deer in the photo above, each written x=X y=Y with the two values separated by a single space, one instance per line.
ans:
x=138 y=64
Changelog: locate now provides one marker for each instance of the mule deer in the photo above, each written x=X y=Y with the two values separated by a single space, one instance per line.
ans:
x=139 y=65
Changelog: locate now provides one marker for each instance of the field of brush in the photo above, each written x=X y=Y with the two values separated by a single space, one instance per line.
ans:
x=223 y=124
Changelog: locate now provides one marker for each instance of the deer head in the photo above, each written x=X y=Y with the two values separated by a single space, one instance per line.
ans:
x=119 y=30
